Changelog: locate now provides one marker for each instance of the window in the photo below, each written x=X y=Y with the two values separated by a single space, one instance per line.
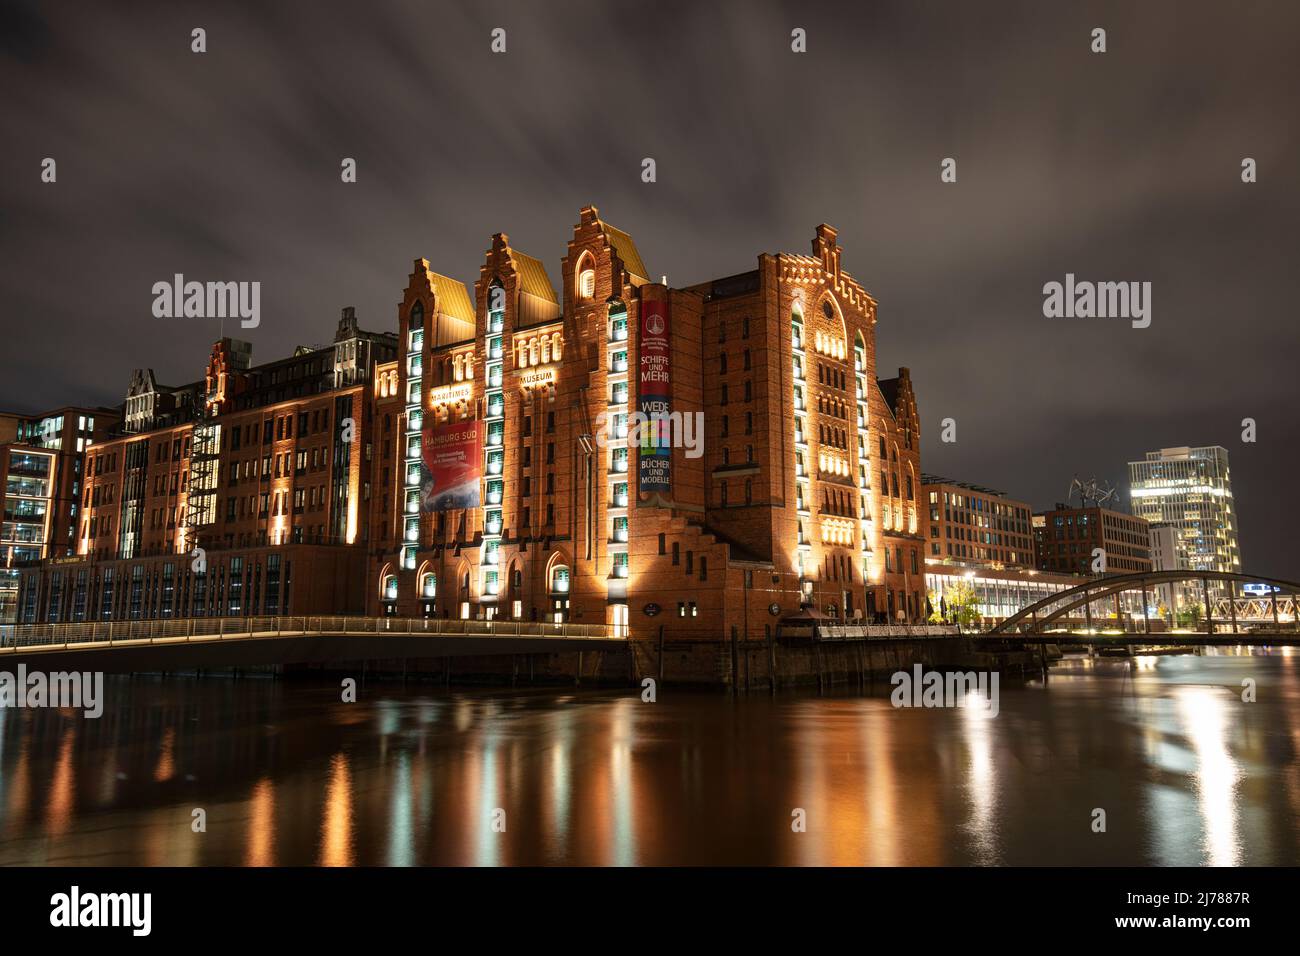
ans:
x=587 y=281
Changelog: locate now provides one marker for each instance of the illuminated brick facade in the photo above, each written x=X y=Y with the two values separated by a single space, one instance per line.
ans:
x=1066 y=537
x=251 y=469
x=793 y=485
x=970 y=524
x=807 y=491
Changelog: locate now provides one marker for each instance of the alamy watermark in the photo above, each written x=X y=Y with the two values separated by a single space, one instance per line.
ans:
x=654 y=431
x=920 y=688
x=208 y=300
x=1098 y=300
x=77 y=909
x=80 y=690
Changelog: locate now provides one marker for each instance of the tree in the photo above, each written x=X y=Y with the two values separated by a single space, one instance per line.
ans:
x=961 y=603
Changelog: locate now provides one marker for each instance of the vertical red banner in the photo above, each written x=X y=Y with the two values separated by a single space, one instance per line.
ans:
x=654 y=391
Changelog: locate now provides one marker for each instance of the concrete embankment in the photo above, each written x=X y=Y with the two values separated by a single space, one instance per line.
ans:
x=752 y=665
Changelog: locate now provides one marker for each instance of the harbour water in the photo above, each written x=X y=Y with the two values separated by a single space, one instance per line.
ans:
x=1183 y=770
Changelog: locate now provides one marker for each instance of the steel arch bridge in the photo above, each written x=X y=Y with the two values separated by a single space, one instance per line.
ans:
x=1277 y=610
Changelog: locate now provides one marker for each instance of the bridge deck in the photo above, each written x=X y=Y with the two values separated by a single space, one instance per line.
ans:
x=216 y=642
x=1251 y=638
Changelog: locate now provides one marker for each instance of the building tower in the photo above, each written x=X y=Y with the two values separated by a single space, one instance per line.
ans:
x=1190 y=490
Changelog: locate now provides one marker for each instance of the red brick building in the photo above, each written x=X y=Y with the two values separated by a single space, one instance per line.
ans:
x=245 y=493
x=1065 y=537
x=484 y=461
x=977 y=525
x=806 y=492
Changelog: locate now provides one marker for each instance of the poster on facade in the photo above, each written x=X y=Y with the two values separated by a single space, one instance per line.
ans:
x=654 y=391
x=451 y=466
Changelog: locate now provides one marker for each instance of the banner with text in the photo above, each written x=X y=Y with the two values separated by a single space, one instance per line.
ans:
x=654 y=390
x=451 y=467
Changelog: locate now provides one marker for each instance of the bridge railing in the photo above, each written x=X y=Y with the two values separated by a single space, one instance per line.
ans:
x=857 y=632
x=202 y=629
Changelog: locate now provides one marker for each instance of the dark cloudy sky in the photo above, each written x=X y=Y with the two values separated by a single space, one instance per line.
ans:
x=1122 y=166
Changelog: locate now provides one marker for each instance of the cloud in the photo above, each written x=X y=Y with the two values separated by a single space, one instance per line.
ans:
x=1119 y=166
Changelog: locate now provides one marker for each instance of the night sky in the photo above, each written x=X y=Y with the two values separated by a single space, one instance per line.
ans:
x=1119 y=166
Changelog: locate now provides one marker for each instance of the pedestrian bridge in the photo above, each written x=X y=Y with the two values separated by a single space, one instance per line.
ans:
x=1121 y=604
x=184 y=643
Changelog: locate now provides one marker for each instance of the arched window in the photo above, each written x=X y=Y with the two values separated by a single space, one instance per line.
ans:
x=429 y=585
x=555 y=346
x=390 y=588
x=586 y=283
x=560 y=579
x=417 y=317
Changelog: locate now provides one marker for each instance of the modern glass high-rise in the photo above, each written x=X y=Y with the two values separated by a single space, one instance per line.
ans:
x=1190 y=490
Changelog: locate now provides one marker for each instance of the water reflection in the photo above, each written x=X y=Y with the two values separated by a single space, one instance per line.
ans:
x=58 y=807
x=1205 y=718
x=981 y=824
x=336 y=826
x=413 y=776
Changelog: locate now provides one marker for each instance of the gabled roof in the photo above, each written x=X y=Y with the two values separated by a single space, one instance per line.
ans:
x=453 y=298
x=889 y=392
x=533 y=278
x=626 y=250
